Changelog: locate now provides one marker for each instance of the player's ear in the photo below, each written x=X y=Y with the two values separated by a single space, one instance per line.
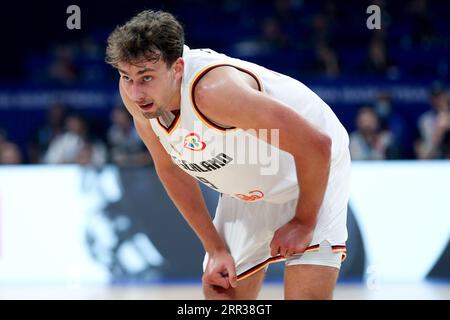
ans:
x=178 y=68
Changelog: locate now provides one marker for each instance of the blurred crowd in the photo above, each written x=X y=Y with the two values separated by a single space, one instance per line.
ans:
x=381 y=134
x=66 y=138
x=296 y=37
x=326 y=42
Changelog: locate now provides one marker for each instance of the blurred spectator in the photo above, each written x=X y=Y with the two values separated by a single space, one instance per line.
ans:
x=52 y=128
x=76 y=145
x=394 y=122
x=91 y=153
x=326 y=62
x=9 y=152
x=421 y=23
x=368 y=142
x=126 y=148
x=90 y=48
x=321 y=33
x=433 y=125
x=90 y=61
x=378 y=62
x=287 y=13
x=63 y=69
x=333 y=12
x=3 y=139
x=284 y=10
x=273 y=37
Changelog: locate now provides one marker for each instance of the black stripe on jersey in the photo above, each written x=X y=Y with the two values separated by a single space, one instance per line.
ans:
x=199 y=77
x=174 y=121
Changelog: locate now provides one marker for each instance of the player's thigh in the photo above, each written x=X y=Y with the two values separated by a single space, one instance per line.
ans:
x=247 y=289
x=304 y=281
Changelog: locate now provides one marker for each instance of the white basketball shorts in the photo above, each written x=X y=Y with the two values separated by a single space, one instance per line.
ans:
x=248 y=227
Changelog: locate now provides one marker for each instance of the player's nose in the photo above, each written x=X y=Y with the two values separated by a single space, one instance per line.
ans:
x=137 y=94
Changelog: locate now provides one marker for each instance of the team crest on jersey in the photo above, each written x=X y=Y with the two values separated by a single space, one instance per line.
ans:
x=251 y=196
x=193 y=142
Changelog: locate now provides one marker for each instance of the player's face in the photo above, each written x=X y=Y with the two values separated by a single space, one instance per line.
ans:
x=154 y=87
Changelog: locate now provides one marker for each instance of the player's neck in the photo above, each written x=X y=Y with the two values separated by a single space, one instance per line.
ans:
x=175 y=103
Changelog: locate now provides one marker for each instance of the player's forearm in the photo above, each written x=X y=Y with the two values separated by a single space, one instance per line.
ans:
x=312 y=174
x=187 y=197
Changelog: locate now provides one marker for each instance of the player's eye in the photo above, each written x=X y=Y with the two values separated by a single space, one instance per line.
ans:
x=147 y=78
x=126 y=78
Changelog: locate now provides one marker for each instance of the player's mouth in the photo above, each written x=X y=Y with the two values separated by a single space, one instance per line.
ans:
x=146 y=107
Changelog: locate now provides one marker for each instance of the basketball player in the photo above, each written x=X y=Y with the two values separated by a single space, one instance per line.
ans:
x=186 y=104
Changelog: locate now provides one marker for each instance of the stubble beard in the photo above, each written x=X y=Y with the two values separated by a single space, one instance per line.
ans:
x=153 y=115
x=149 y=115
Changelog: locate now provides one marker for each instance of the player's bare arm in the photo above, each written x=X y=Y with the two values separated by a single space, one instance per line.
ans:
x=225 y=96
x=186 y=194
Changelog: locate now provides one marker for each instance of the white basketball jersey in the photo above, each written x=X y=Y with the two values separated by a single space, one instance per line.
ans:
x=231 y=160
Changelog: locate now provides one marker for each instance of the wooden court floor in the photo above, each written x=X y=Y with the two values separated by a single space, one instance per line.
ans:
x=270 y=291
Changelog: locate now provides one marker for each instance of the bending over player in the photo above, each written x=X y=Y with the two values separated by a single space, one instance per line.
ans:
x=186 y=105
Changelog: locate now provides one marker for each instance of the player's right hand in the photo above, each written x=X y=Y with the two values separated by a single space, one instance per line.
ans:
x=220 y=270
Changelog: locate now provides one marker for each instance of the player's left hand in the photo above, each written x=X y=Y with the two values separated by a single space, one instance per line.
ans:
x=293 y=237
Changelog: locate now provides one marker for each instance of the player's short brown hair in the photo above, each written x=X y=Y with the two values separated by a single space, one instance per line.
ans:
x=148 y=36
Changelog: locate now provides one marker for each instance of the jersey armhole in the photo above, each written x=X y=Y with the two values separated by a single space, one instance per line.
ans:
x=197 y=79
